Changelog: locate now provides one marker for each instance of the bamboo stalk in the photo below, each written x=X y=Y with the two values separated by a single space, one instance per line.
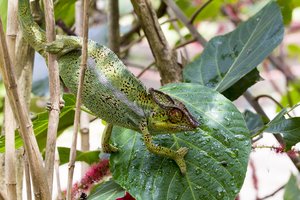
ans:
x=9 y=122
x=22 y=117
x=78 y=98
x=54 y=86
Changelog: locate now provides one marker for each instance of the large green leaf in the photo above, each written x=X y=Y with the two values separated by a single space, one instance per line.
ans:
x=289 y=128
x=216 y=161
x=89 y=157
x=109 y=190
x=40 y=124
x=226 y=59
x=291 y=189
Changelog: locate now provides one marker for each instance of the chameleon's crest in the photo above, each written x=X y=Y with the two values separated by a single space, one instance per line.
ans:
x=175 y=110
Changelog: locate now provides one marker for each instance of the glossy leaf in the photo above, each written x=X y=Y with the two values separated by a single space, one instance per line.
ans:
x=88 y=157
x=216 y=161
x=108 y=190
x=236 y=90
x=289 y=128
x=40 y=124
x=254 y=121
x=291 y=189
x=228 y=58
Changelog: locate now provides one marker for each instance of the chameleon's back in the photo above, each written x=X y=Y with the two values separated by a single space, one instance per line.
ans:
x=110 y=90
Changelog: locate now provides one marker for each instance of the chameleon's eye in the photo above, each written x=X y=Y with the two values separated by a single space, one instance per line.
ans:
x=175 y=115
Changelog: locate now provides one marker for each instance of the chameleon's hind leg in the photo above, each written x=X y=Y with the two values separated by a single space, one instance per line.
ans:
x=106 y=146
x=63 y=45
x=177 y=156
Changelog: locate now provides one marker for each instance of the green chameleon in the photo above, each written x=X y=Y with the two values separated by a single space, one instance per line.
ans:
x=111 y=92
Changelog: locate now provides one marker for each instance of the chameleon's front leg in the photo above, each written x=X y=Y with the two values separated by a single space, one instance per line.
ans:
x=106 y=146
x=177 y=156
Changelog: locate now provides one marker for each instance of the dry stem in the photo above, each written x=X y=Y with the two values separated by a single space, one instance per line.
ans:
x=26 y=129
x=113 y=26
x=78 y=98
x=54 y=87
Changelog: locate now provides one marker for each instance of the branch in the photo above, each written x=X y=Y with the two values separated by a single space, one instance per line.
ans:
x=54 y=87
x=78 y=98
x=26 y=130
x=165 y=58
x=113 y=26
x=180 y=15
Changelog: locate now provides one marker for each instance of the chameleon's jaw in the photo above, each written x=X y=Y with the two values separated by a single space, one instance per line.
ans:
x=164 y=127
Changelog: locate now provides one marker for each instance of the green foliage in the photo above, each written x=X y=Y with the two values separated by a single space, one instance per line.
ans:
x=211 y=11
x=217 y=158
x=289 y=128
x=291 y=189
x=3 y=12
x=40 y=124
x=65 y=10
x=226 y=59
x=287 y=8
x=292 y=96
x=293 y=50
x=237 y=89
x=88 y=157
x=254 y=121
x=108 y=190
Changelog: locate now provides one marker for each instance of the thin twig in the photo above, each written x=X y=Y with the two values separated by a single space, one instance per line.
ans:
x=41 y=188
x=145 y=69
x=84 y=118
x=78 y=98
x=269 y=97
x=185 y=43
x=56 y=168
x=180 y=15
x=54 y=88
x=272 y=194
x=197 y=12
x=3 y=196
x=27 y=176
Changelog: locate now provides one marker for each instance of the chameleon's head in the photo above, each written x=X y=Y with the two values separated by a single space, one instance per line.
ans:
x=169 y=115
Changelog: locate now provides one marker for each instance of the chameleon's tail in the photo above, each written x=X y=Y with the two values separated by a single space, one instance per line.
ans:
x=34 y=35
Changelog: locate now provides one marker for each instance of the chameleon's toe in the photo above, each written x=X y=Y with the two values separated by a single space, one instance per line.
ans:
x=179 y=159
x=109 y=148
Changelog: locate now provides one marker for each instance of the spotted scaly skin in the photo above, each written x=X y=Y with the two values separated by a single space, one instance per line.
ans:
x=111 y=92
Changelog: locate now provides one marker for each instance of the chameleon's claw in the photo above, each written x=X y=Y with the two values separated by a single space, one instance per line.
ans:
x=179 y=159
x=49 y=106
x=108 y=148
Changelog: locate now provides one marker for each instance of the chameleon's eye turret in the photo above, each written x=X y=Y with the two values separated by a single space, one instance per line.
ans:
x=175 y=115
x=169 y=114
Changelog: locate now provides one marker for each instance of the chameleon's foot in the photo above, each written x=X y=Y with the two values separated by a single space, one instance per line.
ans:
x=179 y=159
x=54 y=47
x=108 y=148
x=49 y=106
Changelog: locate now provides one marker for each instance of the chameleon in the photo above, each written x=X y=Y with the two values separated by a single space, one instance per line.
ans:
x=111 y=91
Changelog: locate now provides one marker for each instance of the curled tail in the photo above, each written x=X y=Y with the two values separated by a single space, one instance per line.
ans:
x=33 y=34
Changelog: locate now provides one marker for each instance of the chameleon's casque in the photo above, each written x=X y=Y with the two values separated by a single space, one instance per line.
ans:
x=110 y=91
